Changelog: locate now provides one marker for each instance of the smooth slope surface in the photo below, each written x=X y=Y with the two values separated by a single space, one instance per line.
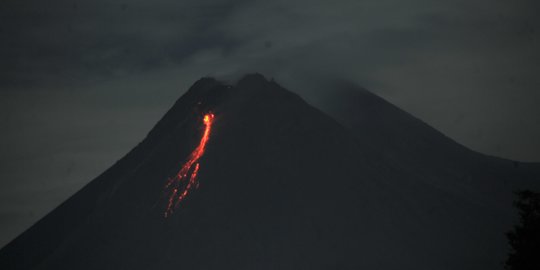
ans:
x=282 y=186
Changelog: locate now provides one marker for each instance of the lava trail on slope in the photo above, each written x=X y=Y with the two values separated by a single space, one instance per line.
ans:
x=177 y=188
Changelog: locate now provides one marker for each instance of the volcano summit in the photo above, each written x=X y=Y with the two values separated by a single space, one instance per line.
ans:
x=249 y=176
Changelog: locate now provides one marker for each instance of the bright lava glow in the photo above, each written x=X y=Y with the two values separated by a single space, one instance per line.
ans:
x=176 y=187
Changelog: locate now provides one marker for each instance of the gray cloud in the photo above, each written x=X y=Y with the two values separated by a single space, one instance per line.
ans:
x=100 y=39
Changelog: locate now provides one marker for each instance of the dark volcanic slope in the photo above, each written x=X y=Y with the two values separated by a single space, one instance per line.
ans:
x=412 y=146
x=282 y=186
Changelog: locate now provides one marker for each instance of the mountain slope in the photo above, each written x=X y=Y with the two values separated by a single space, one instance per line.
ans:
x=412 y=145
x=282 y=186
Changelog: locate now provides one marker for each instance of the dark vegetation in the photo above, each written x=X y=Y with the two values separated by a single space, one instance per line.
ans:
x=525 y=238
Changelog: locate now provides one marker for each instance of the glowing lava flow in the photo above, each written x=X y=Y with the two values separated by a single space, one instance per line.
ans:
x=175 y=186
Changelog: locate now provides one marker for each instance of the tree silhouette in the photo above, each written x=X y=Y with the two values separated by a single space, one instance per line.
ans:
x=524 y=240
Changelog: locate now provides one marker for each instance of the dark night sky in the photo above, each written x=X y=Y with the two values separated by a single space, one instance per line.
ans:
x=82 y=82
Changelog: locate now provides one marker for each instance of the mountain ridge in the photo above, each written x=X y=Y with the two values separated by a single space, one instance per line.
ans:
x=282 y=185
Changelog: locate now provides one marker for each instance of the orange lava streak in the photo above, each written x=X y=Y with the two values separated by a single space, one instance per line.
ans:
x=174 y=185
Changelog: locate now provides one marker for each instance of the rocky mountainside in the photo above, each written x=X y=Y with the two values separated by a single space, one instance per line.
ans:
x=281 y=185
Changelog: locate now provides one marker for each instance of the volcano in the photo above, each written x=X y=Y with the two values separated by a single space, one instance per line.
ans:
x=249 y=176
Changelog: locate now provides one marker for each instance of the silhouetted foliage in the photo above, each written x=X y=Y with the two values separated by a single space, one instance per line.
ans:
x=525 y=238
